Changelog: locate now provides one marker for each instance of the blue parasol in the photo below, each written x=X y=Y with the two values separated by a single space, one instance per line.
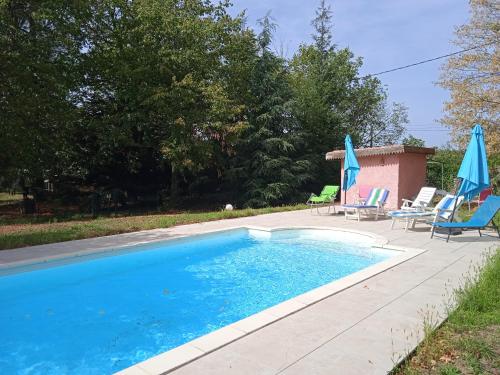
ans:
x=351 y=166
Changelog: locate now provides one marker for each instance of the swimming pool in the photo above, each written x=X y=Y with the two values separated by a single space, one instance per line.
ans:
x=103 y=314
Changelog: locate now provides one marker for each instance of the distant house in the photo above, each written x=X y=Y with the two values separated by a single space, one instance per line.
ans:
x=398 y=168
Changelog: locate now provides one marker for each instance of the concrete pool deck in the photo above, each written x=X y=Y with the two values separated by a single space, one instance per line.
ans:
x=365 y=328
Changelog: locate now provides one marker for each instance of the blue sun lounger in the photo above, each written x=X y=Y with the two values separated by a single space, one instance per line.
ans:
x=481 y=218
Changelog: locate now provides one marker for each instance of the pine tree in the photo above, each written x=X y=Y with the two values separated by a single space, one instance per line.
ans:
x=273 y=172
x=330 y=100
x=323 y=25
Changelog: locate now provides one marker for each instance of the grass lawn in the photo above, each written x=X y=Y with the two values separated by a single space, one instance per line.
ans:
x=469 y=341
x=13 y=235
x=6 y=198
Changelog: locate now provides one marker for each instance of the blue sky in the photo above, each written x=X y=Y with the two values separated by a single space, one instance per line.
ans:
x=387 y=34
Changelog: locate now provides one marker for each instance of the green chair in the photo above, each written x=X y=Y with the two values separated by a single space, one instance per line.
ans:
x=325 y=198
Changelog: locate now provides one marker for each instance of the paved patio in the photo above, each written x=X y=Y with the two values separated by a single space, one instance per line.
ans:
x=364 y=329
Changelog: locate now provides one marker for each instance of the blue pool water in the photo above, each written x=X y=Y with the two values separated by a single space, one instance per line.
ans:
x=101 y=315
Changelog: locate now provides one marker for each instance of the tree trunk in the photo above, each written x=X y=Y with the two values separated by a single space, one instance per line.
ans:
x=174 y=184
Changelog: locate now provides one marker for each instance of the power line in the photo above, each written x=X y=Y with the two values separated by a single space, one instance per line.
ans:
x=434 y=128
x=426 y=127
x=427 y=131
x=429 y=60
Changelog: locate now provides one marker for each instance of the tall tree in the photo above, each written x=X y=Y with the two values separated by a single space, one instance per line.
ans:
x=161 y=90
x=383 y=126
x=270 y=169
x=119 y=93
x=330 y=100
x=323 y=26
x=473 y=77
x=40 y=43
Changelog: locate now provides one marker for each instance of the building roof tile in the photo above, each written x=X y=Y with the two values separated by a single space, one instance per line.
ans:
x=384 y=150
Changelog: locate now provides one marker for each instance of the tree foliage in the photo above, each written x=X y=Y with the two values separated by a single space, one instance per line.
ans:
x=330 y=100
x=323 y=26
x=273 y=170
x=473 y=77
x=39 y=55
x=410 y=140
x=172 y=80
x=177 y=96
x=384 y=125
x=443 y=168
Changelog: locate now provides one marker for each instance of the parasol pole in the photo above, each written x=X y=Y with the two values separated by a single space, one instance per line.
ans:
x=343 y=185
x=457 y=186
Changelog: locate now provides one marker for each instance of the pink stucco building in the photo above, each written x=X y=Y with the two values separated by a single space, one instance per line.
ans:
x=400 y=169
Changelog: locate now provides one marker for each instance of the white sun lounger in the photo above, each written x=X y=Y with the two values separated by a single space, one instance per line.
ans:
x=421 y=201
x=442 y=212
